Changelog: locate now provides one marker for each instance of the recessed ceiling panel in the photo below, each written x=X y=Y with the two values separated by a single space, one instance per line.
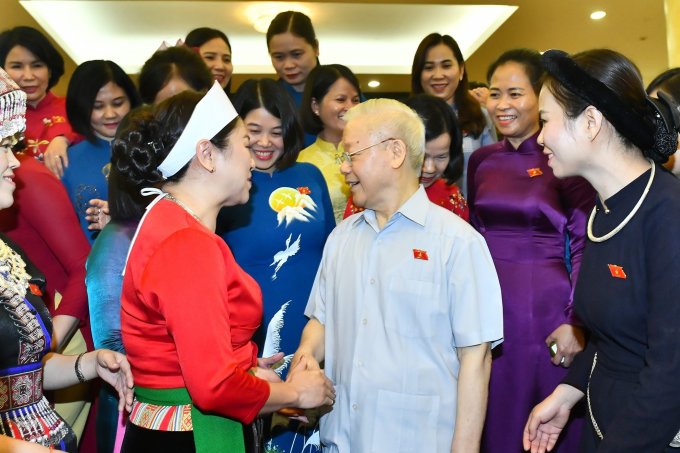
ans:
x=369 y=38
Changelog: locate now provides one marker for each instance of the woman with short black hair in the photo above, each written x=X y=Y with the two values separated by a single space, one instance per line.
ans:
x=36 y=66
x=99 y=96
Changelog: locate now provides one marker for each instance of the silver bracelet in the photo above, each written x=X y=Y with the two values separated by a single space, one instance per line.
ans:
x=79 y=374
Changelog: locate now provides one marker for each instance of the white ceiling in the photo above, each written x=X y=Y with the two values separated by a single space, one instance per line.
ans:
x=369 y=38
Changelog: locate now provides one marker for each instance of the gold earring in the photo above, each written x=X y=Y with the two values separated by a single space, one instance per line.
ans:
x=212 y=170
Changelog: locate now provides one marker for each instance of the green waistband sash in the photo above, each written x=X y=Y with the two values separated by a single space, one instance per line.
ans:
x=212 y=433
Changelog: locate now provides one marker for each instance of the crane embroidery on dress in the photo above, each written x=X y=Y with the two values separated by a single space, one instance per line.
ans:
x=272 y=342
x=281 y=257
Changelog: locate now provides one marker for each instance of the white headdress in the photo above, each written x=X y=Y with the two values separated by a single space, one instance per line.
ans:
x=210 y=116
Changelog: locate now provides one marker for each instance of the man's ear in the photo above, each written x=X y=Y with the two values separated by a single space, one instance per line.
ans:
x=398 y=152
x=204 y=154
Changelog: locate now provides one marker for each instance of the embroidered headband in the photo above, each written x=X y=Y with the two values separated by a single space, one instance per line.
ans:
x=12 y=107
x=211 y=115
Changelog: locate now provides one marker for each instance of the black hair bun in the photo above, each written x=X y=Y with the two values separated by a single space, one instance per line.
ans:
x=666 y=119
x=138 y=149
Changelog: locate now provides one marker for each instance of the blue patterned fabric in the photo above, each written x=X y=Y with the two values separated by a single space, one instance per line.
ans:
x=278 y=238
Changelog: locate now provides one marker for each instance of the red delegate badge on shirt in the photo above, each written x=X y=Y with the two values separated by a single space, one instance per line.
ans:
x=617 y=271
x=420 y=254
x=533 y=172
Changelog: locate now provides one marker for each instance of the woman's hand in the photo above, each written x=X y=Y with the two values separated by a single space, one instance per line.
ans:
x=314 y=389
x=97 y=214
x=114 y=369
x=570 y=340
x=548 y=418
x=265 y=365
x=55 y=156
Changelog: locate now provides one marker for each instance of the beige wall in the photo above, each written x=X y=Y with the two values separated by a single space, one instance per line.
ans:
x=540 y=24
x=673 y=34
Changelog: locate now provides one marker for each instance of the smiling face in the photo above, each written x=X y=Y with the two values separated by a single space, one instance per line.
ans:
x=436 y=159
x=567 y=155
x=368 y=171
x=217 y=56
x=341 y=97
x=265 y=139
x=441 y=73
x=7 y=165
x=110 y=106
x=31 y=74
x=293 y=58
x=512 y=103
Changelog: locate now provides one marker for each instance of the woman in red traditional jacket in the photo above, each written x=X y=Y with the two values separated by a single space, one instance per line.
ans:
x=188 y=311
x=36 y=66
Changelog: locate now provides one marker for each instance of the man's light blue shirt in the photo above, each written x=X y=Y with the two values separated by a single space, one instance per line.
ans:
x=396 y=303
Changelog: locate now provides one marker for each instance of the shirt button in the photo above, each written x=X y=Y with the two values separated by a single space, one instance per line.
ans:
x=360 y=363
x=354 y=406
x=372 y=281
x=364 y=321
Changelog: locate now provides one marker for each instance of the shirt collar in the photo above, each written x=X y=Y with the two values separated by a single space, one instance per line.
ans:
x=414 y=209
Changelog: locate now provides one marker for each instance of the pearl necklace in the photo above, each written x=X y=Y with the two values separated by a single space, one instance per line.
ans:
x=625 y=221
x=183 y=206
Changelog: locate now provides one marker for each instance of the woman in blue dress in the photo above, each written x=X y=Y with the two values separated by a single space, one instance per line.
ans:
x=99 y=95
x=279 y=235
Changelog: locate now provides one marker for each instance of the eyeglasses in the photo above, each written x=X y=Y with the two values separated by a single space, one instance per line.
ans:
x=347 y=157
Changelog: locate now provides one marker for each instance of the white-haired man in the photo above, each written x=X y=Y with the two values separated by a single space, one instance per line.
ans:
x=406 y=304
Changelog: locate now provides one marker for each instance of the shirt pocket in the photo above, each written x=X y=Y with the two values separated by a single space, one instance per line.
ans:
x=411 y=307
x=405 y=422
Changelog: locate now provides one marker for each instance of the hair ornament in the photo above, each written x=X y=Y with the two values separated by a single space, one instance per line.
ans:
x=157 y=147
x=667 y=122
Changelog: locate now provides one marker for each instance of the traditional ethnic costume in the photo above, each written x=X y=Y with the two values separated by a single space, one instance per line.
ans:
x=188 y=313
x=25 y=335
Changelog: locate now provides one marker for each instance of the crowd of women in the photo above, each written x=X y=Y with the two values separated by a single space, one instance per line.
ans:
x=179 y=225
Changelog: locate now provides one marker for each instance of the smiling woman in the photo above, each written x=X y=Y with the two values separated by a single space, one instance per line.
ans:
x=36 y=66
x=278 y=236
x=439 y=70
x=99 y=95
x=214 y=48
x=528 y=218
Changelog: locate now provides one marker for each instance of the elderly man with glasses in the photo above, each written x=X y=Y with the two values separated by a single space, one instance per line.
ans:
x=406 y=304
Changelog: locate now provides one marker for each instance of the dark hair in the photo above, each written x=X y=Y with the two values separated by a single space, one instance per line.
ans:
x=199 y=36
x=272 y=96
x=671 y=86
x=174 y=61
x=470 y=114
x=320 y=80
x=439 y=118
x=85 y=83
x=38 y=44
x=126 y=203
x=612 y=83
x=472 y=84
x=661 y=79
x=530 y=59
x=148 y=135
x=294 y=22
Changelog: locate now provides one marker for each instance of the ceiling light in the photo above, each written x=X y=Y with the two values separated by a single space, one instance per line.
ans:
x=373 y=84
x=261 y=24
x=597 y=15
